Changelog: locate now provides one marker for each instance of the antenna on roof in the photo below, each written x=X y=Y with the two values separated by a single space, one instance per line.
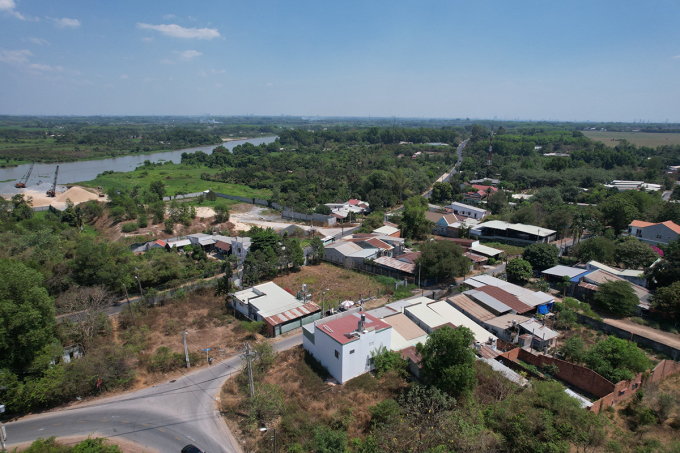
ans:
x=488 y=160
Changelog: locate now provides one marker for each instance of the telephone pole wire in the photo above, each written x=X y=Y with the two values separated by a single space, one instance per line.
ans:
x=186 y=351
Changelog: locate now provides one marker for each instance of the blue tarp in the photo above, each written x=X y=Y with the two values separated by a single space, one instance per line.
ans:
x=543 y=309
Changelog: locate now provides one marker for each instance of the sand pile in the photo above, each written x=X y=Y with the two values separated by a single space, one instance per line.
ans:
x=204 y=213
x=76 y=194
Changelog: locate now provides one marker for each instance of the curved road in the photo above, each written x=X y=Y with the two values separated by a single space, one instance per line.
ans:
x=165 y=417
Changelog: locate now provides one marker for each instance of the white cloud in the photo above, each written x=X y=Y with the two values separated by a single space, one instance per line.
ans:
x=8 y=7
x=218 y=85
x=65 y=22
x=124 y=77
x=677 y=56
x=221 y=71
x=15 y=57
x=39 y=41
x=178 y=31
x=202 y=73
x=20 y=59
x=166 y=61
x=168 y=16
x=147 y=39
x=269 y=84
x=189 y=54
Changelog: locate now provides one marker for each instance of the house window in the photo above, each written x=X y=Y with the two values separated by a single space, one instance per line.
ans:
x=352 y=351
x=658 y=236
x=337 y=354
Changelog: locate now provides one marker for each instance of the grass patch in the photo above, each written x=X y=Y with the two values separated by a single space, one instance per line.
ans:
x=651 y=139
x=510 y=250
x=177 y=178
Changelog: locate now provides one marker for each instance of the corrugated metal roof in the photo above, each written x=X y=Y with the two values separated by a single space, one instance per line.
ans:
x=487 y=300
x=406 y=328
x=539 y=330
x=398 y=342
x=222 y=245
x=379 y=244
x=395 y=264
x=529 y=229
x=484 y=250
x=457 y=318
x=292 y=314
x=589 y=286
x=561 y=271
x=386 y=230
x=505 y=321
x=464 y=303
x=506 y=298
x=426 y=316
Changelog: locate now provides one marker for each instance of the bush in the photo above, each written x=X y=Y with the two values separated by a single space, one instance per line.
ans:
x=142 y=221
x=129 y=227
x=384 y=412
x=386 y=361
x=252 y=326
x=163 y=360
x=96 y=445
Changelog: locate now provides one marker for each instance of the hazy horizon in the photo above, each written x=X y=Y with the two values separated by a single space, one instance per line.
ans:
x=526 y=60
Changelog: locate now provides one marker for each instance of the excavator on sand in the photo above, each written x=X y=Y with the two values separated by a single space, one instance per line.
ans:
x=53 y=191
x=23 y=181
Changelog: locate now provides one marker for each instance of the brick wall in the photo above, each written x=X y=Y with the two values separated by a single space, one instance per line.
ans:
x=627 y=388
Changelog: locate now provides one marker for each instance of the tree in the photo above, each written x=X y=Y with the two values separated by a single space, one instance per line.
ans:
x=560 y=220
x=318 y=250
x=373 y=221
x=414 y=225
x=619 y=212
x=667 y=271
x=400 y=182
x=574 y=349
x=667 y=299
x=519 y=270
x=158 y=188
x=26 y=315
x=634 y=254
x=617 y=298
x=566 y=319
x=441 y=191
x=497 y=202
x=541 y=256
x=296 y=253
x=447 y=360
x=221 y=212
x=323 y=210
x=442 y=259
x=616 y=359
x=564 y=285
x=597 y=248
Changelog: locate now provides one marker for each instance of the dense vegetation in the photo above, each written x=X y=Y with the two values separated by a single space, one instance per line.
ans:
x=305 y=169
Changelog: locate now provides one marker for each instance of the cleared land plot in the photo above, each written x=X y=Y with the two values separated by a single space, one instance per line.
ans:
x=650 y=139
x=177 y=178
x=343 y=284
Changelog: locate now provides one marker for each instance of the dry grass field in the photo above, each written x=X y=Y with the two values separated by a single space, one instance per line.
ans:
x=650 y=139
x=343 y=284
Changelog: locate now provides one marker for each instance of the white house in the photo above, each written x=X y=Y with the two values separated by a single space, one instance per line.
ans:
x=345 y=343
x=654 y=233
x=468 y=211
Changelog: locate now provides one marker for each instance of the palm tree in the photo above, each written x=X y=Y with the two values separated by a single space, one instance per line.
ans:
x=400 y=182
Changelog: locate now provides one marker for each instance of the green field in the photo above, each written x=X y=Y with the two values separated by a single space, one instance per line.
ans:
x=650 y=139
x=177 y=178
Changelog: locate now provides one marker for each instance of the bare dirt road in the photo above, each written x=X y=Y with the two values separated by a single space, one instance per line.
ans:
x=667 y=338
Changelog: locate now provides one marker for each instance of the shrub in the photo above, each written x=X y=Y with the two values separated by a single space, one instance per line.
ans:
x=252 y=326
x=142 y=221
x=384 y=412
x=163 y=360
x=129 y=227
x=386 y=360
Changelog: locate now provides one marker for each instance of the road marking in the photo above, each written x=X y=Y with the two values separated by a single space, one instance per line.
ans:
x=144 y=424
x=57 y=424
x=177 y=438
x=124 y=421
x=161 y=430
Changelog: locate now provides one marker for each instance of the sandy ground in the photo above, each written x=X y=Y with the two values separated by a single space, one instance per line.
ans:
x=243 y=216
x=644 y=331
x=205 y=213
x=76 y=194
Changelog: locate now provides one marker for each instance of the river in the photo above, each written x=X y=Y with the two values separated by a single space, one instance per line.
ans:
x=42 y=175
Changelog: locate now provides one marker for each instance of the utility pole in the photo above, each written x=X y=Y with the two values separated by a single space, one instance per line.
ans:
x=274 y=438
x=323 y=303
x=129 y=305
x=250 y=372
x=3 y=433
x=186 y=351
x=139 y=282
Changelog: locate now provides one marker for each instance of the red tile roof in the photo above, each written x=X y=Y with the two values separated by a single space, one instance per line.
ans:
x=641 y=224
x=340 y=329
x=410 y=353
x=508 y=299
x=160 y=242
x=354 y=201
x=672 y=225
x=459 y=241
x=484 y=188
x=487 y=352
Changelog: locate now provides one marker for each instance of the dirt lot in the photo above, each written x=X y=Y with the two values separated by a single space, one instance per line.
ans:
x=650 y=139
x=667 y=338
x=201 y=314
x=309 y=401
x=343 y=284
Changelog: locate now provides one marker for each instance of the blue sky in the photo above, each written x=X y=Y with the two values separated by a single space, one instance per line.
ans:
x=590 y=60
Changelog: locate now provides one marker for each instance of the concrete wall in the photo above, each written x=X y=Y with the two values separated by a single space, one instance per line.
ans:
x=650 y=234
x=670 y=351
x=359 y=362
x=290 y=214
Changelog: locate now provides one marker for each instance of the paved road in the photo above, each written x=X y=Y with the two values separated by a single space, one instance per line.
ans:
x=447 y=176
x=165 y=417
x=667 y=195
